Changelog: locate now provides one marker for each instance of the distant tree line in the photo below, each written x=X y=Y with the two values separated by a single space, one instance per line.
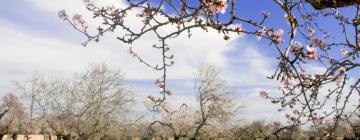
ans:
x=97 y=105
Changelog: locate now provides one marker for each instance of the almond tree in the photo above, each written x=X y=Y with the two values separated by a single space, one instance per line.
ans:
x=216 y=105
x=89 y=105
x=12 y=121
x=95 y=99
x=216 y=100
x=304 y=43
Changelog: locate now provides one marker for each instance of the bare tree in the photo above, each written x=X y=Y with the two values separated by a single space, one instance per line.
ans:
x=97 y=97
x=86 y=106
x=216 y=100
x=215 y=107
x=12 y=122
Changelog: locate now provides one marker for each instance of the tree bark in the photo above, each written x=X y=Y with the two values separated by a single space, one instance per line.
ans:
x=322 y=4
x=14 y=136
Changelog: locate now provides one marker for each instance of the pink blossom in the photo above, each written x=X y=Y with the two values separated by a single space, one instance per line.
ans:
x=86 y=1
x=111 y=9
x=219 y=6
x=266 y=14
x=132 y=52
x=342 y=70
x=260 y=33
x=344 y=52
x=311 y=52
x=296 y=112
x=297 y=45
x=338 y=111
x=62 y=15
x=263 y=94
x=293 y=119
x=239 y=28
x=302 y=74
x=318 y=42
x=337 y=79
x=321 y=120
x=358 y=37
x=278 y=36
x=331 y=61
x=277 y=124
x=208 y=1
x=161 y=85
x=287 y=115
x=311 y=31
x=89 y=4
x=85 y=25
x=287 y=82
x=78 y=20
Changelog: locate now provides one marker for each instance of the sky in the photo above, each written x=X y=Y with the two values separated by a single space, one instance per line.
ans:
x=34 y=40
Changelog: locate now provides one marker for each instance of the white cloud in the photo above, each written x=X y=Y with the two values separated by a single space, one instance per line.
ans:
x=201 y=48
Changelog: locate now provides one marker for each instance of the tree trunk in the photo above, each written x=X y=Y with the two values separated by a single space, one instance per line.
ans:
x=14 y=136
x=176 y=137
x=197 y=131
x=67 y=137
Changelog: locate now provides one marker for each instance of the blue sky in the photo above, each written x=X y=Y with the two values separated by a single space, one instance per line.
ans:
x=33 y=40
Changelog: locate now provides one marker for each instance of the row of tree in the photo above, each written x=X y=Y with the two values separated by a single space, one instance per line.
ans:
x=97 y=104
x=90 y=103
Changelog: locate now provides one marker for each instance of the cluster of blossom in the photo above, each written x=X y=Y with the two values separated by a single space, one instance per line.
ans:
x=345 y=52
x=318 y=42
x=110 y=9
x=277 y=124
x=320 y=120
x=146 y=15
x=238 y=28
x=264 y=94
x=311 y=32
x=266 y=14
x=161 y=85
x=292 y=119
x=296 y=48
x=338 y=78
x=62 y=15
x=311 y=52
x=217 y=6
x=78 y=20
x=260 y=33
x=89 y=5
x=276 y=35
x=132 y=52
